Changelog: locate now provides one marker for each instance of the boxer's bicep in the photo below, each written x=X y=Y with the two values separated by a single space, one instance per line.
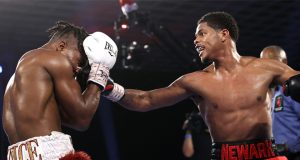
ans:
x=68 y=94
x=281 y=72
x=77 y=109
x=67 y=90
x=285 y=72
x=170 y=95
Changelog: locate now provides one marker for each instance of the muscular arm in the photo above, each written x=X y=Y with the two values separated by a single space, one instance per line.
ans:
x=282 y=72
x=285 y=75
x=143 y=101
x=76 y=109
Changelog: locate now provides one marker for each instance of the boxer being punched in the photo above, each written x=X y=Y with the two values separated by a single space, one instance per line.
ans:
x=232 y=91
x=43 y=93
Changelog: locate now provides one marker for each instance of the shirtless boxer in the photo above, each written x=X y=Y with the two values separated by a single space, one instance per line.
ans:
x=43 y=93
x=232 y=91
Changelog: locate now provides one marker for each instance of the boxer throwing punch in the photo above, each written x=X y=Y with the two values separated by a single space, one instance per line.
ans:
x=232 y=92
x=43 y=94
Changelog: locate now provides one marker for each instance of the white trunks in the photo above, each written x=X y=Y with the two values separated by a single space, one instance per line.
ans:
x=50 y=147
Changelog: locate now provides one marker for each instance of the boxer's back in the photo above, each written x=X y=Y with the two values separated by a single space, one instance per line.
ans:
x=29 y=107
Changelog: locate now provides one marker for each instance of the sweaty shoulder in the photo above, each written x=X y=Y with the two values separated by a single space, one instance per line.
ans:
x=248 y=60
x=265 y=63
x=269 y=67
x=48 y=59
x=199 y=74
x=42 y=55
x=44 y=62
x=195 y=78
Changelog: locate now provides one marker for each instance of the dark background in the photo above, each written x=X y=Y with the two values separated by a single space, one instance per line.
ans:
x=167 y=27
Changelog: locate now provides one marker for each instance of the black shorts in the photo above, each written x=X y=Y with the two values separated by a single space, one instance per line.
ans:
x=250 y=149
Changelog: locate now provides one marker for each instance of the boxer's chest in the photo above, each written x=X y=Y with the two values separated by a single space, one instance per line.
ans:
x=244 y=89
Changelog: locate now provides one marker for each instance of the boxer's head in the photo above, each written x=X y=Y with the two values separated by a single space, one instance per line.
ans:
x=220 y=21
x=274 y=52
x=68 y=38
x=214 y=30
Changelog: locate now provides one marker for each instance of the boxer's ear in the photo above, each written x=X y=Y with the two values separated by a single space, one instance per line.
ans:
x=224 y=34
x=61 y=45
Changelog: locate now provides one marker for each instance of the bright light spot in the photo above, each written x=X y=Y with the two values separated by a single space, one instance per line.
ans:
x=1 y=69
x=124 y=26
x=146 y=46
x=134 y=43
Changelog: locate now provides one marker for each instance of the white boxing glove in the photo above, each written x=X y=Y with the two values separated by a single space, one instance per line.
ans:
x=102 y=53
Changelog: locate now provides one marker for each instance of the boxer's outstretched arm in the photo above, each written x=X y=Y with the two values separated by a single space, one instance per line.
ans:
x=143 y=101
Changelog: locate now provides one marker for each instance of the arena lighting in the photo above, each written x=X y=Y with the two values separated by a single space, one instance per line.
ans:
x=131 y=17
x=124 y=26
x=133 y=55
x=1 y=69
x=121 y=24
x=128 y=6
x=133 y=21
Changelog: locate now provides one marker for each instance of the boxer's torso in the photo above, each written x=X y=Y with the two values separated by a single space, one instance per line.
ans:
x=235 y=103
x=30 y=108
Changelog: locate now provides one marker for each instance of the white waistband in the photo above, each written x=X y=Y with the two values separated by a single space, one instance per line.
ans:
x=50 y=147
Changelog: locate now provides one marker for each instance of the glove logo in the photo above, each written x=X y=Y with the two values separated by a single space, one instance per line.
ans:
x=110 y=48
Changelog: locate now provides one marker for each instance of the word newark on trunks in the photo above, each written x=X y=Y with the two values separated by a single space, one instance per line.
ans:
x=247 y=151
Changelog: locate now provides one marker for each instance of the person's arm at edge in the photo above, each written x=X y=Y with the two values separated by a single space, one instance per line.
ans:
x=187 y=147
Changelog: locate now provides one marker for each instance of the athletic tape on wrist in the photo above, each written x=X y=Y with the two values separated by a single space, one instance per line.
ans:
x=117 y=93
x=99 y=74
